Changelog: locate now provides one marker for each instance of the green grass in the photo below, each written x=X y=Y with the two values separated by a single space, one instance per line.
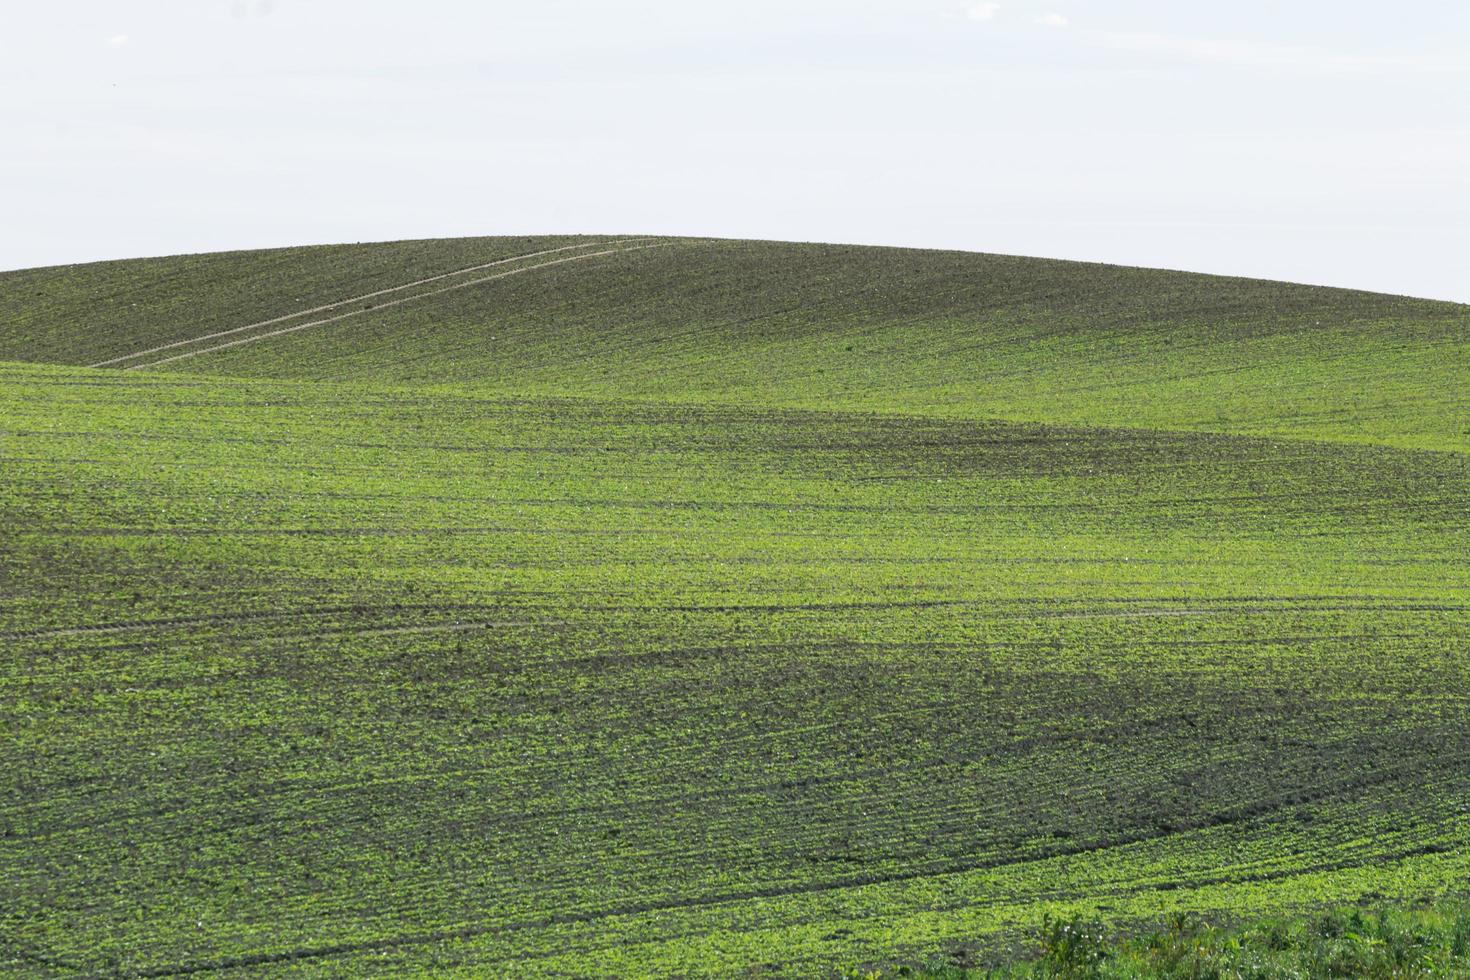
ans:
x=764 y=325
x=373 y=649
x=1360 y=944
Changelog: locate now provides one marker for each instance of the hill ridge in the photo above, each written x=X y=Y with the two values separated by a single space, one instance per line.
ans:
x=942 y=333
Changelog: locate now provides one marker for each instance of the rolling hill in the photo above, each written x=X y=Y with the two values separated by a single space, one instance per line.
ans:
x=645 y=606
x=761 y=324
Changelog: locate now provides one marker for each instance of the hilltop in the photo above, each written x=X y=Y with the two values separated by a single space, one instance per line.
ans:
x=766 y=324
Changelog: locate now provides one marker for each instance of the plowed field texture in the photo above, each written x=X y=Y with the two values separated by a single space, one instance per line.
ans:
x=664 y=607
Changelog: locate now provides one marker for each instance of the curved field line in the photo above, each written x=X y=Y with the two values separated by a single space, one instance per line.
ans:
x=366 y=631
x=384 y=306
x=358 y=299
x=466 y=931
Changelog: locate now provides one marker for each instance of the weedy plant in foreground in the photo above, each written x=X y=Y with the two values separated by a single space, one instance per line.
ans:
x=1391 y=942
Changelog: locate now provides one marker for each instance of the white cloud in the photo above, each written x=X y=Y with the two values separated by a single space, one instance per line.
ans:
x=1264 y=54
x=1053 y=20
x=984 y=11
x=117 y=40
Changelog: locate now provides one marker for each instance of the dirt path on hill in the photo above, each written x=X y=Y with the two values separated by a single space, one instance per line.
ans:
x=380 y=306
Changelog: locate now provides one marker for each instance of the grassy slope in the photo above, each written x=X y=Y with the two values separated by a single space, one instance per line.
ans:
x=355 y=676
x=402 y=679
x=761 y=324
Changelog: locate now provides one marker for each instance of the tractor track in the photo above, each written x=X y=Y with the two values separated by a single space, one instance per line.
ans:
x=352 y=313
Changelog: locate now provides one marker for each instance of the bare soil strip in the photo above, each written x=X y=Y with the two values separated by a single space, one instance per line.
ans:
x=358 y=299
x=384 y=306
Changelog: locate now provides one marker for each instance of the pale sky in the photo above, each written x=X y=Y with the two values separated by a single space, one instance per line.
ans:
x=1322 y=141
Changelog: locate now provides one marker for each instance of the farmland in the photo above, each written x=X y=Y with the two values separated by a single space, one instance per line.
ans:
x=712 y=607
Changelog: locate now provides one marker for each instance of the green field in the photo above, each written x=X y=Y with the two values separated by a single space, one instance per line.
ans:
x=710 y=607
